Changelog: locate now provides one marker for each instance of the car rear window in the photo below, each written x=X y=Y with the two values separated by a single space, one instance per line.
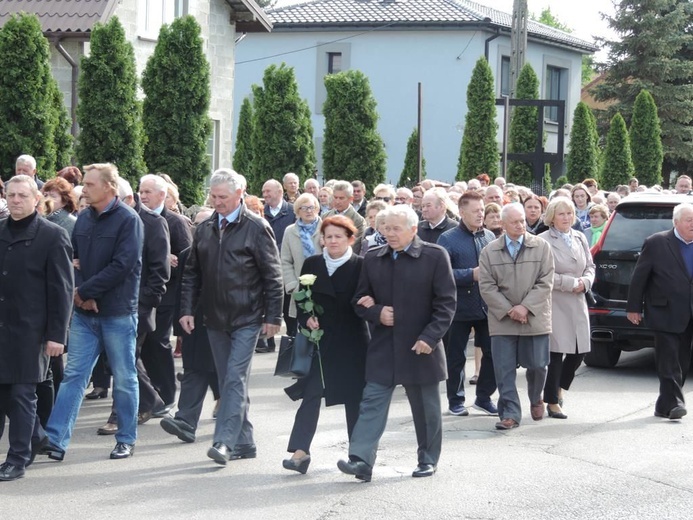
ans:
x=633 y=224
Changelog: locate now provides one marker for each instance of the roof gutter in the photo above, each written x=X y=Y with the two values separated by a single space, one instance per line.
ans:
x=488 y=41
x=73 y=84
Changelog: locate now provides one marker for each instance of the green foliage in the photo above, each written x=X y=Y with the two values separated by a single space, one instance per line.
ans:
x=282 y=138
x=562 y=180
x=646 y=140
x=62 y=124
x=583 y=157
x=353 y=148
x=410 y=173
x=479 y=149
x=653 y=50
x=109 y=114
x=618 y=165
x=175 y=110
x=243 y=154
x=28 y=113
x=547 y=183
x=523 y=128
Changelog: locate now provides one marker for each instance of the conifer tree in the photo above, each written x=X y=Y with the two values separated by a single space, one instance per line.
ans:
x=523 y=128
x=410 y=173
x=282 y=139
x=353 y=148
x=479 y=148
x=618 y=164
x=243 y=154
x=176 y=108
x=583 y=157
x=109 y=113
x=646 y=140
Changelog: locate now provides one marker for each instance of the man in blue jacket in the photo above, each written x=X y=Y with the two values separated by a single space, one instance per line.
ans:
x=464 y=244
x=107 y=243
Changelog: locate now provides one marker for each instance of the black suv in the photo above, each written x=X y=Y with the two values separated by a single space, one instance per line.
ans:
x=637 y=217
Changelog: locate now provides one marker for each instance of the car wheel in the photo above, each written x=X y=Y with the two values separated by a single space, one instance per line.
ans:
x=602 y=355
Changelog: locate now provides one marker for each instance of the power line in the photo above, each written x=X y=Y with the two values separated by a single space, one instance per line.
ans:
x=315 y=46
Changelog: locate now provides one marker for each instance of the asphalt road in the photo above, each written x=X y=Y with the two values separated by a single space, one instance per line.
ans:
x=611 y=459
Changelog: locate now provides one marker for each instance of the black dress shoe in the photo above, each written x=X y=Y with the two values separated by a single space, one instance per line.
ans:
x=179 y=428
x=300 y=465
x=10 y=472
x=358 y=468
x=52 y=451
x=97 y=393
x=122 y=450
x=677 y=412
x=219 y=453
x=243 y=451
x=424 y=470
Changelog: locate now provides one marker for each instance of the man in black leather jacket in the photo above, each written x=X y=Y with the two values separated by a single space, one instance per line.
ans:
x=234 y=271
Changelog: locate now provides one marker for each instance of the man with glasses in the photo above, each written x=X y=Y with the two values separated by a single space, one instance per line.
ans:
x=404 y=196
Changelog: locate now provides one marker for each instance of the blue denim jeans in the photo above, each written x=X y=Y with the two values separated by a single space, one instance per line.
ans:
x=233 y=352
x=89 y=336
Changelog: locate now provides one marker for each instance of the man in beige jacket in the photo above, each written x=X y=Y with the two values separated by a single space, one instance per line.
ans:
x=515 y=280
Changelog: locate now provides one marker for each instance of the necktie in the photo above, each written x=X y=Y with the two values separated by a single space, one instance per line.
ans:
x=514 y=248
x=395 y=254
x=223 y=224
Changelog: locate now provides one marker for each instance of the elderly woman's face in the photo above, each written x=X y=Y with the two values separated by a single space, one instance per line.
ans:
x=492 y=220
x=370 y=217
x=307 y=212
x=324 y=197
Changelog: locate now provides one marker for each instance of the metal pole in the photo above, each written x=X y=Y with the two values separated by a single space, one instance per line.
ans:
x=418 y=145
x=506 y=125
x=518 y=42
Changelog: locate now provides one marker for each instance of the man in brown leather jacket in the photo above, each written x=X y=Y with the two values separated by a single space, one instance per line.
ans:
x=234 y=271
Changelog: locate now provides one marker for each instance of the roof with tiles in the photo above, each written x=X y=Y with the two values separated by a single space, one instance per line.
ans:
x=410 y=13
x=58 y=16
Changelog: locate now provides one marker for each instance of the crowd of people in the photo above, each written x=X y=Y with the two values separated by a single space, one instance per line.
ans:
x=402 y=279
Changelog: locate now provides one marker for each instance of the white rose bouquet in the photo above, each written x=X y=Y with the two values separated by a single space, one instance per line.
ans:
x=304 y=300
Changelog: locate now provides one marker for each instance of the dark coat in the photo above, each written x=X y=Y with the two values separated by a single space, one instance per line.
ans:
x=431 y=235
x=661 y=279
x=345 y=340
x=156 y=267
x=237 y=277
x=420 y=287
x=197 y=354
x=35 y=298
x=460 y=245
x=281 y=221
x=181 y=238
x=109 y=248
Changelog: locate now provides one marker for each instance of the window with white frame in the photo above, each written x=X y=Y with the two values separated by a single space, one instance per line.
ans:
x=556 y=88
x=331 y=59
x=334 y=62
x=213 y=145
x=152 y=14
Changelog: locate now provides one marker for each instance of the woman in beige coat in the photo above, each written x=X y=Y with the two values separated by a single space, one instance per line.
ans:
x=573 y=276
x=301 y=240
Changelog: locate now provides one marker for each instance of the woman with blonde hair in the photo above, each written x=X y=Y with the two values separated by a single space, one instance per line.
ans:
x=573 y=277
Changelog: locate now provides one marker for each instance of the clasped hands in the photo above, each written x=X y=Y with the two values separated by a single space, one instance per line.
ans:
x=387 y=318
x=87 y=305
x=519 y=313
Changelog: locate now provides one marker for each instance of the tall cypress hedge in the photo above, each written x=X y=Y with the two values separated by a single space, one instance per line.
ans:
x=410 y=173
x=618 y=164
x=646 y=140
x=243 y=153
x=523 y=128
x=583 y=157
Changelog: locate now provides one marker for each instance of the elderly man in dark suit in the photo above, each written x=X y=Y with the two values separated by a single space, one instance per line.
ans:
x=662 y=286
x=407 y=291
x=35 y=307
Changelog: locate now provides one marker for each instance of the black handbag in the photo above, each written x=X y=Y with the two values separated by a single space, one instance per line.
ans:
x=295 y=357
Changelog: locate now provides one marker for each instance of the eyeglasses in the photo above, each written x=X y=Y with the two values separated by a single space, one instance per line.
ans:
x=306 y=208
x=384 y=199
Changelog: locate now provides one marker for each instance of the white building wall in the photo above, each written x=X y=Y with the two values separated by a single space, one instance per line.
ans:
x=395 y=62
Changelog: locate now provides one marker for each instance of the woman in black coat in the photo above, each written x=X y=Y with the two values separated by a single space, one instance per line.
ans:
x=343 y=344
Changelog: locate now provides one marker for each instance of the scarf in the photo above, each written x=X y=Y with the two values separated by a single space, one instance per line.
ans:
x=596 y=233
x=333 y=264
x=306 y=232
x=379 y=239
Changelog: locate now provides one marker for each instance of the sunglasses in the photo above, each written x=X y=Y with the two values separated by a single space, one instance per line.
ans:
x=384 y=199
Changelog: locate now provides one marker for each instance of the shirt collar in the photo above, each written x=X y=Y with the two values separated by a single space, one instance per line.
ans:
x=231 y=217
x=158 y=210
x=681 y=238
x=520 y=240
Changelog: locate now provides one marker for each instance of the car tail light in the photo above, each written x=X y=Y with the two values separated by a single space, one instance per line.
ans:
x=600 y=312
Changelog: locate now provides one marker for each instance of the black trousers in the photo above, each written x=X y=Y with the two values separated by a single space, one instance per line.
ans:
x=307 y=415
x=673 y=357
x=560 y=374
x=456 y=353
x=157 y=355
x=19 y=403
x=193 y=390
x=291 y=323
x=101 y=375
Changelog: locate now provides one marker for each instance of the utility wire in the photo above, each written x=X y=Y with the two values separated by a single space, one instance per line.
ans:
x=318 y=45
